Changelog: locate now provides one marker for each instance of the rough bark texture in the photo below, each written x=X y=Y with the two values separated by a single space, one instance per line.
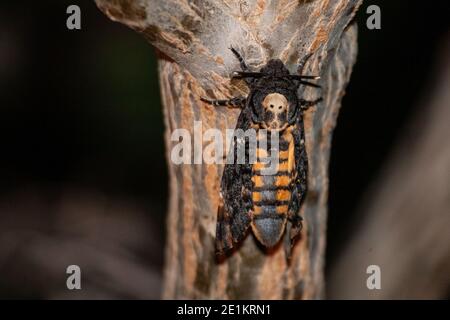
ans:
x=194 y=37
x=405 y=231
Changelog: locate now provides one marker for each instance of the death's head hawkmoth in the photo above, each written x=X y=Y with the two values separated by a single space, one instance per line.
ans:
x=268 y=203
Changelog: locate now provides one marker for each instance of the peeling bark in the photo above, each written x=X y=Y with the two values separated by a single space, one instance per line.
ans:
x=194 y=37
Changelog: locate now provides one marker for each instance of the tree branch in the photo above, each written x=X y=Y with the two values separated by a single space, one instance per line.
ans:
x=195 y=37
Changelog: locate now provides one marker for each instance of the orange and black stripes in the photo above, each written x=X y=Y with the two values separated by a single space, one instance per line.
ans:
x=271 y=193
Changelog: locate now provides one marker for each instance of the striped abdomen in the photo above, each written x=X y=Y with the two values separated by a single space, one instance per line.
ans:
x=271 y=194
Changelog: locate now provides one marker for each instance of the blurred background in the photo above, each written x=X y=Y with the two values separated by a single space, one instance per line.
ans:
x=83 y=178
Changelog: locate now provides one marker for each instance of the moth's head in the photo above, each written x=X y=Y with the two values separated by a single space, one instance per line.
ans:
x=275 y=111
x=275 y=67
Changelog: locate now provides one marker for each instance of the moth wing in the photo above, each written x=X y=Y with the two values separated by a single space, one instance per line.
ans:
x=301 y=161
x=299 y=189
x=233 y=216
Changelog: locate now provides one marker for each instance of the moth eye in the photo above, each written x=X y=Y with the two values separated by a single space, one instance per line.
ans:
x=271 y=106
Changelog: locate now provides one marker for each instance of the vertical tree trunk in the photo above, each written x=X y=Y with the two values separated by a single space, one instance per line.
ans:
x=194 y=38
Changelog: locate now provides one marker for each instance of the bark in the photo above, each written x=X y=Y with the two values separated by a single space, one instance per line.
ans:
x=194 y=39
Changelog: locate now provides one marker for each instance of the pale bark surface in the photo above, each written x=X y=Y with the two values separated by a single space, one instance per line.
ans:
x=194 y=37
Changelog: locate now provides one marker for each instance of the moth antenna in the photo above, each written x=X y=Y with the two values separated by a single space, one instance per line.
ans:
x=306 y=83
x=301 y=77
x=244 y=74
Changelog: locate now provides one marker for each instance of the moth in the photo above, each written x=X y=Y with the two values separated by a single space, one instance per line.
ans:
x=269 y=204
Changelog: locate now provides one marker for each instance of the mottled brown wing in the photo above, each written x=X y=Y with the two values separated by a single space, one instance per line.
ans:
x=233 y=218
x=300 y=184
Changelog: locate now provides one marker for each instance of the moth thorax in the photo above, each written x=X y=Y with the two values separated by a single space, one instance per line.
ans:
x=275 y=111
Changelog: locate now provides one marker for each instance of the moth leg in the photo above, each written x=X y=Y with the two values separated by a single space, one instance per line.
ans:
x=287 y=245
x=244 y=66
x=306 y=104
x=232 y=103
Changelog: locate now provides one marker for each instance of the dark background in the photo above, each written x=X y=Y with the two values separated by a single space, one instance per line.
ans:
x=80 y=115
